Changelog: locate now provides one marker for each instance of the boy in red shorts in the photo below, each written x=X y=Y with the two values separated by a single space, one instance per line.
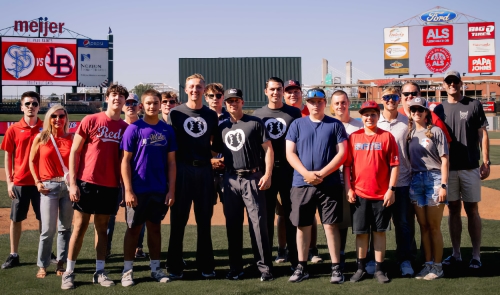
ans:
x=370 y=174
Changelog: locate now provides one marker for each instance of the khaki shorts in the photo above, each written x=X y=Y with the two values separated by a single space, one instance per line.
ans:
x=464 y=185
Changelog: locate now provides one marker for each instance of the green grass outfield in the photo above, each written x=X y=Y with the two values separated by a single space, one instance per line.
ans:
x=21 y=280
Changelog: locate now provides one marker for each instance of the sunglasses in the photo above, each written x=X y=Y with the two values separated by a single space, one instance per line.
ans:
x=417 y=109
x=172 y=101
x=452 y=81
x=388 y=97
x=315 y=94
x=53 y=116
x=414 y=93
x=218 y=96
x=131 y=103
x=33 y=103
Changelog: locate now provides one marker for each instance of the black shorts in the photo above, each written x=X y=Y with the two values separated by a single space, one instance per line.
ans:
x=305 y=200
x=150 y=207
x=21 y=204
x=96 y=199
x=370 y=215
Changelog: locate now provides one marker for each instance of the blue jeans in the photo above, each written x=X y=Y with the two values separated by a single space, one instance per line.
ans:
x=404 y=223
x=56 y=213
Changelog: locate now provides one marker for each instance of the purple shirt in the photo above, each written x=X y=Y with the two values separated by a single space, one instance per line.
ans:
x=150 y=145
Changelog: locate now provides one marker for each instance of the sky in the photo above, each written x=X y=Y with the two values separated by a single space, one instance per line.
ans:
x=151 y=35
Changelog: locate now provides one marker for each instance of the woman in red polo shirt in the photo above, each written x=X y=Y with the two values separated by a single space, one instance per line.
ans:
x=55 y=206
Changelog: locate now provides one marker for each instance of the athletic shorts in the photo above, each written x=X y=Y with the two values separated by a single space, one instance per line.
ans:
x=305 y=200
x=96 y=199
x=464 y=185
x=150 y=207
x=425 y=187
x=346 y=211
x=21 y=204
x=370 y=215
x=279 y=207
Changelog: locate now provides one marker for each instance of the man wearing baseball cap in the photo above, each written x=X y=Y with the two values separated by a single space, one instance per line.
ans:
x=242 y=140
x=370 y=174
x=293 y=96
x=465 y=119
x=277 y=118
x=316 y=158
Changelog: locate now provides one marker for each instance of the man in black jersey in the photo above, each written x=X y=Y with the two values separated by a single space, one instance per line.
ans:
x=242 y=140
x=195 y=126
x=277 y=117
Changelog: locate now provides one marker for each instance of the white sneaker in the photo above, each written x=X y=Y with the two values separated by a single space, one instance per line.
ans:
x=425 y=271
x=406 y=269
x=370 y=267
x=101 y=277
x=435 y=273
x=160 y=276
x=128 y=278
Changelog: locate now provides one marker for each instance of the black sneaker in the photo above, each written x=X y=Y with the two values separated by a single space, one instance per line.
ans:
x=381 y=277
x=266 y=276
x=11 y=262
x=298 y=275
x=53 y=258
x=234 y=275
x=337 y=275
x=358 y=276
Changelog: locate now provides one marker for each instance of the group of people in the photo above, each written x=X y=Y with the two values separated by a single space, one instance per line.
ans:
x=287 y=159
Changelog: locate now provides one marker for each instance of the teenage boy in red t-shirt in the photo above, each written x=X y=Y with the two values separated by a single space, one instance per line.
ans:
x=94 y=167
x=370 y=174
x=21 y=186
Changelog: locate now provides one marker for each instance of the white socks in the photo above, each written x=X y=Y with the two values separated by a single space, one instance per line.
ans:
x=70 y=267
x=99 y=265
x=127 y=265
x=155 y=264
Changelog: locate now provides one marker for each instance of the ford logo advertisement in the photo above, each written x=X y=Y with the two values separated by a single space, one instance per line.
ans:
x=437 y=16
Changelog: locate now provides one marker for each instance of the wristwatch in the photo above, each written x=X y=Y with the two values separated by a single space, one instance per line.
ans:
x=392 y=188
x=444 y=185
x=488 y=163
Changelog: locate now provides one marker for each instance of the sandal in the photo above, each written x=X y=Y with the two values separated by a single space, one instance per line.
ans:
x=451 y=260
x=41 y=273
x=60 y=268
x=475 y=264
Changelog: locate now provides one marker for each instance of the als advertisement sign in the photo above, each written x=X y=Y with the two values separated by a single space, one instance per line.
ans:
x=38 y=61
x=92 y=63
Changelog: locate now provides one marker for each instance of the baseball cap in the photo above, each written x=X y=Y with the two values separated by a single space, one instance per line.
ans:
x=292 y=83
x=133 y=96
x=233 y=92
x=315 y=93
x=419 y=102
x=454 y=74
x=370 y=104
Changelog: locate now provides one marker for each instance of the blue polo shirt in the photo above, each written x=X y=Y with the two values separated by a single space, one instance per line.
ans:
x=316 y=146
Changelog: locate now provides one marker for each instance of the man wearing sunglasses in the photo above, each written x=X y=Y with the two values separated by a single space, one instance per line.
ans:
x=214 y=96
x=277 y=118
x=465 y=119
x=21 y=186
x=402 y=210
x=316 y=147
x=409 y=91
x=168 y=102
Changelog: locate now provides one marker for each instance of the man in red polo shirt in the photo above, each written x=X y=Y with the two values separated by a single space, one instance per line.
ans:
x=20 y=184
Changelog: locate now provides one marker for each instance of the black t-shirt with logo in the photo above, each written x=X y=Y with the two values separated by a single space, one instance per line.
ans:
x=277 y=122
x=224 y=116
x=193 y=131
x=241 y=143
x=463 y=119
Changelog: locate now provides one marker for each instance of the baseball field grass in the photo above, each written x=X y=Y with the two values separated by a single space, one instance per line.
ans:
x=21 y=280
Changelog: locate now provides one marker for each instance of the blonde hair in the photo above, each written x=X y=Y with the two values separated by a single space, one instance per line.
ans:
x=196 y=76
x=428 y=119
x=391 y=90
x=47 y=127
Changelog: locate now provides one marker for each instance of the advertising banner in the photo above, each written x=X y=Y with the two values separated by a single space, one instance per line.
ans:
x=396 y=67
x=396 y=51
x=5 y=125
x=396 y=35
x=438 y=35
x=92 y=63
x=482 y=47
x=38 y=61
x=482 y=64
x=489 y=106
x=481 y=30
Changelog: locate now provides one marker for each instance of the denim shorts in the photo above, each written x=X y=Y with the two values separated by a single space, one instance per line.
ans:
x=424 y=188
